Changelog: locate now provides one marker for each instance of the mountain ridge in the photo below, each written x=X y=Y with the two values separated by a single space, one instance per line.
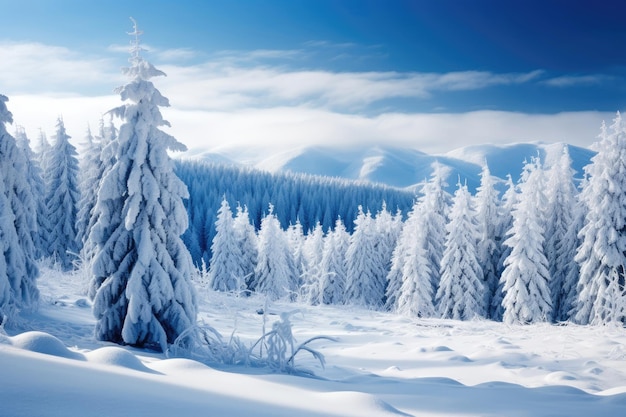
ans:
x=403 y=168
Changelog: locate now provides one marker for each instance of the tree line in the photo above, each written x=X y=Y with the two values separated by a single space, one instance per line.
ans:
x=548 y=249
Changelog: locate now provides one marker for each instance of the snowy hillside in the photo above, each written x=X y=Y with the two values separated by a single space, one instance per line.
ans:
x=381 y=365
x=397 y=167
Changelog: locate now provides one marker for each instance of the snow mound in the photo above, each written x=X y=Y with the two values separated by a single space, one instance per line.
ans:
x=435 y=349
x=45 y=343
x=174 y=365
x=559 y=377
x=116 y=356
x=613 y=391
x=360 y=404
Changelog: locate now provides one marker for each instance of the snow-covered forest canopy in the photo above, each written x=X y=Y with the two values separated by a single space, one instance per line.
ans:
x=522 y=255
x=549 y=248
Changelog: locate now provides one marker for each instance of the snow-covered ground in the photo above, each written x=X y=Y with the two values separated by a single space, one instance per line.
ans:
x=381 y=365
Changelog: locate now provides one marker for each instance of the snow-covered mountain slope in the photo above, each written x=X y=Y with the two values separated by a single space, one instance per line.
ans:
x=509 y=159
x=400 y=167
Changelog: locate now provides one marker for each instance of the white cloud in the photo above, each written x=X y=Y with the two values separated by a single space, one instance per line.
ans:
x=163 y=55
x=232 y=80
x=282 y=128
x=233 y=100
x=233 y=57
x=218 y=86
x=328 y=44
x=270 y=130
x=577 y=80
x=35 y=112
x=30 y=67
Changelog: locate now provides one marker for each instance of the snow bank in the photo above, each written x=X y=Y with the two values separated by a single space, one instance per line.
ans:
x=382 y=365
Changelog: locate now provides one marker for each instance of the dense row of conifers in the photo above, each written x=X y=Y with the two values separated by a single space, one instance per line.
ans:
x=540 y=251
x=548 y=249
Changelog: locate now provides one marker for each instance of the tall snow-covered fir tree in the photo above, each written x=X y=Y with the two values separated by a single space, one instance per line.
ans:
x=461 y=290
x=561 y=241
x=247 y=241
x=17 y=222
x=399 y=257
x=526 y=278
x=62 y=199
x=414 y=276
x=435 y=205
x=602 y=282
x=90 y=174
x=141 y=268
x=509 y=201
x=388 y=227
x=334 y=265
x=108 y=147
x=226 y=270
x=38 y=188
x=275 y=275
x=43 y=153
x=569 y=291
x=366 y=280
x=7 y=236
x=313 y=274
x=488 y=215
x=295 y=239
x=415 y=297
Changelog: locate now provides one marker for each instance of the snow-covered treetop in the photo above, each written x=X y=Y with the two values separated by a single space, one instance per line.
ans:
x=140 y=69
x=144 y=95
x=5 y=114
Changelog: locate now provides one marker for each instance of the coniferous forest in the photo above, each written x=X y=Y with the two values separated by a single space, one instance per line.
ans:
x=547 y=249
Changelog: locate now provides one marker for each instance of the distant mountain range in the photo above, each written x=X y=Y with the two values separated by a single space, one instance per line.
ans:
x=401 y=167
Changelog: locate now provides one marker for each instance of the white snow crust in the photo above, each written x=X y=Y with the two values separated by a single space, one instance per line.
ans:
x=382 y=365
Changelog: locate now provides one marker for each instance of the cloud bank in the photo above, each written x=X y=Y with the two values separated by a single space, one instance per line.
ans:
x=261 y=100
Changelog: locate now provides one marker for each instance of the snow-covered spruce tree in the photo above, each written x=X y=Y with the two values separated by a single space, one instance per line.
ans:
x=569 y=290
x=141 y=269
x=399 y=257
x=435 y=205
x=508 y=203
x=295 y=239
x=275 y=274
x=526 y=277
x=226 y=270
x=313 y=274
x=247 y=241
x=62 y=199
x=334 y=264
x=43 y=153
x=602 y=283
x=366 y=280
x=561 y=241
x=487 y=202
x=388 y=227
x=17 y=221
x=461 y=290
x=107 y=145
x=7 y=236
x=38 y=190
x=416 y=258
x=416 y=294
x=313 y=246
x=90 y=174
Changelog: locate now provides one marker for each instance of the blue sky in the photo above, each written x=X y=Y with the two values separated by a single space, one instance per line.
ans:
x=433 y=75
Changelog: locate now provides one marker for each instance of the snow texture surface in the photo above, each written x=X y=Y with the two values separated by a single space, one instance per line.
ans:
x=382 y=365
